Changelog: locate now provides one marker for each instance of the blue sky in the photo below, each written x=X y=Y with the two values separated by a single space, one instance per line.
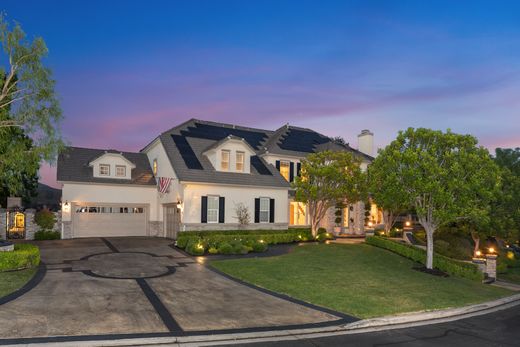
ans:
x=127 y=70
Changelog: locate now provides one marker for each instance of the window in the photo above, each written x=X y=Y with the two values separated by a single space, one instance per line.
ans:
x=120 y=171
x=104 y=170
x=154 y=168
x=285 y=168
x=213 y=209
x=264 y=210
x=224 y=162
x=240 y=161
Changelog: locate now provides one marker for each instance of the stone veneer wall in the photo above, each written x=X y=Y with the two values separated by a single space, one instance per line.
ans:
x=3 y=223
x=155 y=228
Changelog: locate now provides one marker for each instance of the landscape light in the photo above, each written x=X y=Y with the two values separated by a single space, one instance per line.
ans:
x=478 y=253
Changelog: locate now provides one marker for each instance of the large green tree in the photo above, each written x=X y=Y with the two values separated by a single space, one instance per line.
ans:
x=327 y=177
x=28 y=103
x=444 y=176
x=505 y=210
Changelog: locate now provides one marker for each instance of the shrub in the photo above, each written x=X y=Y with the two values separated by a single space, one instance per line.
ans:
x=45 y=219
x=259 y=247
x=24 y=256
x=213 y=239
x=324 y=236
x=396 y=233
x=225 y=248
x=322 y=231
x=195 y=248
x=451 y=266
x=47 y=235
x=213 y=250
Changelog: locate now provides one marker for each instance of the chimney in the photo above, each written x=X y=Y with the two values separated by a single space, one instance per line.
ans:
x=366 y=142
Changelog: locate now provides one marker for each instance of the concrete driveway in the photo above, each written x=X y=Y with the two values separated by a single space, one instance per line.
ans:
x=142 y=287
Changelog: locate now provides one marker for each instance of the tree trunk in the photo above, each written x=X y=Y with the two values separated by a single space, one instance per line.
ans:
x=476 y=239
x=429 y=248
x=388 y=218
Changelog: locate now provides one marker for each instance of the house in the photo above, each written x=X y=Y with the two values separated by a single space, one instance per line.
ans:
x=193 y=177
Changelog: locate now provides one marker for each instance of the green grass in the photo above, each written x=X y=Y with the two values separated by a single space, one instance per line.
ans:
x=360 y=280
x=13 y=280
x=512 y=275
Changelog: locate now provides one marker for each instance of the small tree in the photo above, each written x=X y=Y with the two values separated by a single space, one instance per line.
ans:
x=45 y=219
x=242 y=214
x=327 y=177
x=444 y=176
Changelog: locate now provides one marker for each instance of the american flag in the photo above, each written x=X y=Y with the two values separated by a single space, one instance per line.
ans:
x=163 y=185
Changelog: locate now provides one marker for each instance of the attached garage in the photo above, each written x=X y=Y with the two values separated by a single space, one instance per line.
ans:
x=106 y=220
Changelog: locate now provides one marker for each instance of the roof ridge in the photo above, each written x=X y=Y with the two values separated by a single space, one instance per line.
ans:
x=107 y=150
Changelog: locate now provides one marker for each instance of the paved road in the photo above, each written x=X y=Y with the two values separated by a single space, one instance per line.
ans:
x=496 y=329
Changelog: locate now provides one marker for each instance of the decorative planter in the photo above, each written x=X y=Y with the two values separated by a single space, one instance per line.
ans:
x=6 y=246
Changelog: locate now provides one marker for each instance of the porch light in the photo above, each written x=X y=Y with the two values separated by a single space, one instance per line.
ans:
x=370 y=224
x=179 y=204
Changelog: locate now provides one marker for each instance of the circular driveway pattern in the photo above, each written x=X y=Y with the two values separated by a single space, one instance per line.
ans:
x=126 y=265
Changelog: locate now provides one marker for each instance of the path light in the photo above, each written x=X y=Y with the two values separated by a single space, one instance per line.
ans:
x=261 y=241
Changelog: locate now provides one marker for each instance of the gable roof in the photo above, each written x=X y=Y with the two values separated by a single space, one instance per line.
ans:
x=186 y=143
x=73 y=166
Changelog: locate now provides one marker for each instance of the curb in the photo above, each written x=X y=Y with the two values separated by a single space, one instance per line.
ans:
x=358 y=327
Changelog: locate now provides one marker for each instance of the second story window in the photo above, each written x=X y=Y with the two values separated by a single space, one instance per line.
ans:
x=240 y=161
x=154 y=168
x=224 y=163
x=285 y=168
x=120 y=171
x=104 y=170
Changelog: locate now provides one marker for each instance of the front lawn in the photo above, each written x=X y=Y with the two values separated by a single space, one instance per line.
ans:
x=359 y=280
x=13 y=280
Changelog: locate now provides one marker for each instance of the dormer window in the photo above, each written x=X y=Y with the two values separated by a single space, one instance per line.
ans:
x=120 y=171
x=104 y=170
x=285 y=168
x=224 y=162
x=240 y=161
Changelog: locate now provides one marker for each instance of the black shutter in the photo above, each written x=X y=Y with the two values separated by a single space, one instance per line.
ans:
x=257 y=210
x=278 y=165
x=204 y=210
x=221 y=209
x=298 y=169
x=291 y=172
x=271 y=211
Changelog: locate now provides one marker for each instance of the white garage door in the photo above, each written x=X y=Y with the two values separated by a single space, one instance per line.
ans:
x=101 y=220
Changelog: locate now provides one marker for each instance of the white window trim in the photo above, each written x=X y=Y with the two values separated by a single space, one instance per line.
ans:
x=240 y=162
x=104 y=165
x=222 y=159
x=121 y=167
x=217 y=209
x=268 y=210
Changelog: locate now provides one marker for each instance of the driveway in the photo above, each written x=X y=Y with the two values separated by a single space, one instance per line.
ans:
x=143 y=287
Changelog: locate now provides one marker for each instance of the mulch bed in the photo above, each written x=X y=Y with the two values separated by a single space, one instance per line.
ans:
x=434 y=272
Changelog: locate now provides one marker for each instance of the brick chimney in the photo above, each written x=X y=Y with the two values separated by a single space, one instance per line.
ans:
x=366 y=142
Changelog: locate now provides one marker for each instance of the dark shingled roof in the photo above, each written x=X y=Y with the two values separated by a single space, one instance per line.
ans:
x=191 y=165
x=73 y=166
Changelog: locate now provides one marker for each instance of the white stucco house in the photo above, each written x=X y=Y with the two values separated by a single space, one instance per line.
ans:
x=213 y=167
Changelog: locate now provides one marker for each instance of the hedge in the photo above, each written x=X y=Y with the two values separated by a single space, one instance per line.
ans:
x=448 y=265
x=47 y=235
x=24 y=256
x=214 y=239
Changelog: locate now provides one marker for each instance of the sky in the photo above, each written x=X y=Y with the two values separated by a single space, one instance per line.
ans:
x=128 y=70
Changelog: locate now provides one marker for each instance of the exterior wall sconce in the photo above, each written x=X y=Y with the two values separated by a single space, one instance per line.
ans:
x=65 y=206
x=179 y=204
x=407 y=223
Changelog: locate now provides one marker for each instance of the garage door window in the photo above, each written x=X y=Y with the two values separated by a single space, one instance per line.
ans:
x=108 y=209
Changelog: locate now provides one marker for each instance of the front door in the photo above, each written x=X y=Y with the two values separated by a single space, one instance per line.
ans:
x=171 y=217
